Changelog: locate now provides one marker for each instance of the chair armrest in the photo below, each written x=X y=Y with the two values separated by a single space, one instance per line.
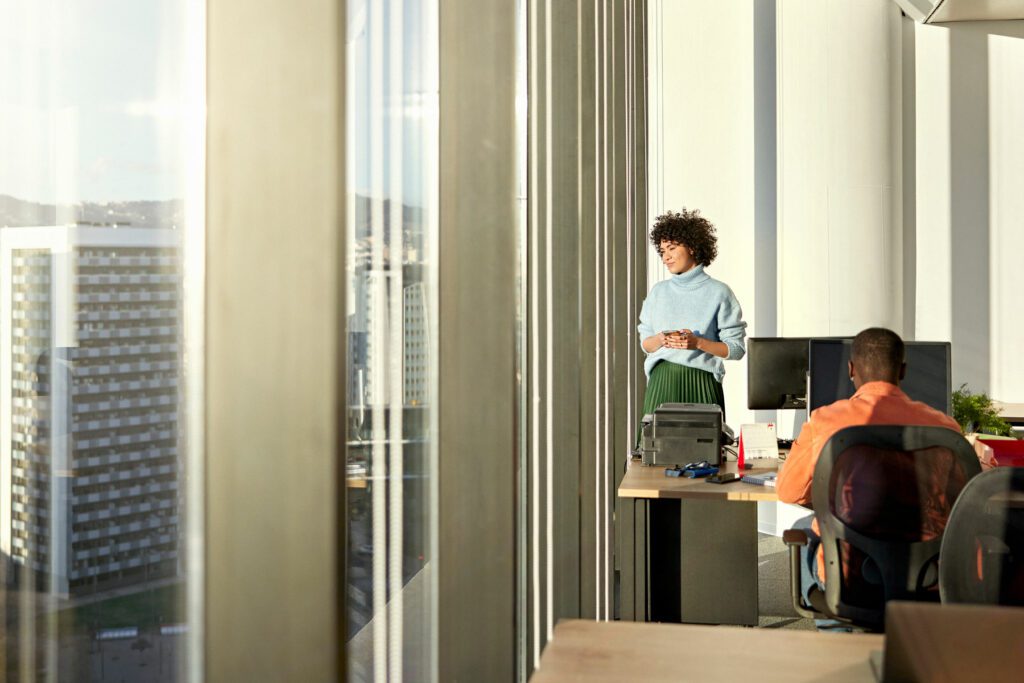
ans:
x=794 y=539
x=797 y=537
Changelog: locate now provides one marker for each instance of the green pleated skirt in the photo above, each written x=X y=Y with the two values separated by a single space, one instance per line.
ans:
x=674 y=383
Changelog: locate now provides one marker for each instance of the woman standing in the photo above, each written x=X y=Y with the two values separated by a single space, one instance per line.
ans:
x=690 y=322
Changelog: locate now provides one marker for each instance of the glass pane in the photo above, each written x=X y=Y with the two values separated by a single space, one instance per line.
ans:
x=392 y=325
x=101 y=188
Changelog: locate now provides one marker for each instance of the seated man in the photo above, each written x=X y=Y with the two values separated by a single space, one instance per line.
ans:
x=876 y=367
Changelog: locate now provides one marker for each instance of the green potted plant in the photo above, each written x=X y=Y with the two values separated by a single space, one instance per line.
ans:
x=975 y=413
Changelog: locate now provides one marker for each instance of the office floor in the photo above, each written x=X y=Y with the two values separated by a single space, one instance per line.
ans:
x=774 y=604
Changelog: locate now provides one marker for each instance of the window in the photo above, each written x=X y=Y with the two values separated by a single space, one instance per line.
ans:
x=392 y=312
x=101 y=206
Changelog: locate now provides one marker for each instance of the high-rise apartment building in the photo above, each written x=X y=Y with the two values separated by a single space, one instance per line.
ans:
x=416 y=365
x=90 y=359
x=372 y=294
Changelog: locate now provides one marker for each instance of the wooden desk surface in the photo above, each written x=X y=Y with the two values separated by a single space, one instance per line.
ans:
x=631 y=651
x=650 y=482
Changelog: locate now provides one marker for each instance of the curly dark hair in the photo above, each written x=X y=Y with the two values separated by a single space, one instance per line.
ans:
x=691 y=230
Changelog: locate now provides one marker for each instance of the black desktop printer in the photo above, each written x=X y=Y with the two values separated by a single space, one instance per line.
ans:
x=681 y=433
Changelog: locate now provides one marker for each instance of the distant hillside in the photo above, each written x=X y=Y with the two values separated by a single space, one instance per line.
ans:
x=143 y=214
x=412 y=217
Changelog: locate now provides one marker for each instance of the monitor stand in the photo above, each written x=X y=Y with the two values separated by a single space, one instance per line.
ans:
x=794 y=403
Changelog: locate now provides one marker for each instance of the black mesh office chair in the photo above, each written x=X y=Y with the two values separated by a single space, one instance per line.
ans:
x=982 y=558
x=882 y=495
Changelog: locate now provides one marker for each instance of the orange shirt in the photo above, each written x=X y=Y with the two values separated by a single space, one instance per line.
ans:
x=879 y=403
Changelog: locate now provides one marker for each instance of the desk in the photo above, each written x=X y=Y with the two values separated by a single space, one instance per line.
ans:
x=625 y=651
x=689 y=548
x=651 y=482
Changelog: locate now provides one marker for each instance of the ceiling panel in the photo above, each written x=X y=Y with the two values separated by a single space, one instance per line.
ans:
x=938 y=11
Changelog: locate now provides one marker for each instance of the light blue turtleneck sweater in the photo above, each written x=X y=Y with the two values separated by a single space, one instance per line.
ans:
x=696 y=301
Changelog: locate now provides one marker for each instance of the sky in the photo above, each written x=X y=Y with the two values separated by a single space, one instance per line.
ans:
x=94 y=99
x=415 y=112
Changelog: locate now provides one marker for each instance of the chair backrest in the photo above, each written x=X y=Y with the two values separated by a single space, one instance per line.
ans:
x=982 y=559
x=882 y=495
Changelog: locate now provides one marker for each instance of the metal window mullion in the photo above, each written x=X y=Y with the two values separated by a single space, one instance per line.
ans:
x=587 y=176
x=602 y=238
x=630 y=339
x=549 y=330
x=396 y=517
x=524 y=639
x=639 y=169
x=533 y=332
x=431 y=164
x=375 y=345
x=594 y=237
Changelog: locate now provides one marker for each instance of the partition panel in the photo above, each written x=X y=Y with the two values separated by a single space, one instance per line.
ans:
x=478 y=434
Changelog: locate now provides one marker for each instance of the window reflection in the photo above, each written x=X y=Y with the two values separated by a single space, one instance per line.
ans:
x=391 y=313
x=98 y=103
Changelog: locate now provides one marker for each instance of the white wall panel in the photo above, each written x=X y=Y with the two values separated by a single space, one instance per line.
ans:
x=1006 y=133
x=969 y=202
x=839 y=249
x=702 y=125
x=932 y=130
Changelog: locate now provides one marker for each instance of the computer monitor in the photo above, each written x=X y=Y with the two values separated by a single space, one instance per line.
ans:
x=927 y=380
x=777 y=372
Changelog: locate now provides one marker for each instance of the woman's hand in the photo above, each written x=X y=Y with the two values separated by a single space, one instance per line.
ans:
x=684 y=340
x=674 y=340
x=689 y=341
x=654 y=342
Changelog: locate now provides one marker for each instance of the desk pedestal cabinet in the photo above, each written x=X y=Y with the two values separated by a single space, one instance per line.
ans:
x=700 y=555
x=688 y=549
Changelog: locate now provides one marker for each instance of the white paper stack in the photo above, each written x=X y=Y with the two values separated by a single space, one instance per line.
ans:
x=759 y=441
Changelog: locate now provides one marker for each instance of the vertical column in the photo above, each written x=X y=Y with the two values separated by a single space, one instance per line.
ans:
x=478 y=444
x=274 y=425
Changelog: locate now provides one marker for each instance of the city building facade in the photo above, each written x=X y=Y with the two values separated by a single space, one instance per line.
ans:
x=90 y=359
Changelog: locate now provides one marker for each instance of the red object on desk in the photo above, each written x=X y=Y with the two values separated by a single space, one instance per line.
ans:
x=1001 y=453
x=739 y=453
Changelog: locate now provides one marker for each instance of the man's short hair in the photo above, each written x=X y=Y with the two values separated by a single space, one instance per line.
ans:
x=878 y=352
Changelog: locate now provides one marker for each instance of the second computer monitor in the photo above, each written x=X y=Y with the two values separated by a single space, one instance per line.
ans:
x=927 y=379
x=776 y=372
